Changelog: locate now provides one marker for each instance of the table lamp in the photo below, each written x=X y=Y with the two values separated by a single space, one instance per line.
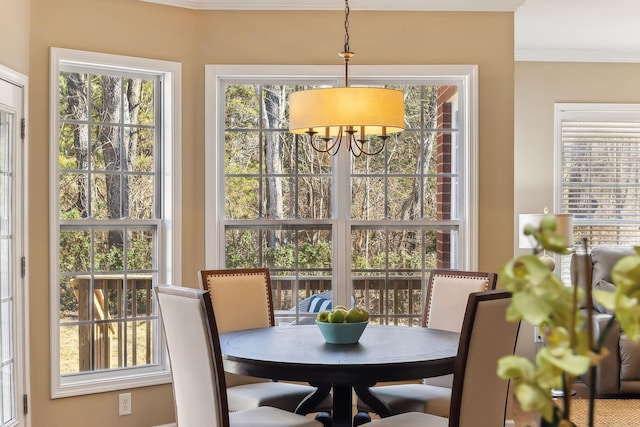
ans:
x=564 y=227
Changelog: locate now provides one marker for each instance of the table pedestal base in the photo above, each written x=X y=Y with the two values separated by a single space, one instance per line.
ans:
x=341 y=412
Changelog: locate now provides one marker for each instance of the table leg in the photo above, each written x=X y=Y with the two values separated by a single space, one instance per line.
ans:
x=310 y=402
x=342 y=406
x=375 y=404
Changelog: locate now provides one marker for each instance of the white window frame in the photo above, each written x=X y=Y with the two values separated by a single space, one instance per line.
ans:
x=217 y=75
x=602 y=112
x=170 y=228
x=21 y=248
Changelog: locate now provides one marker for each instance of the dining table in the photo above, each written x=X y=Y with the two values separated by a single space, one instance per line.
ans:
x=300 y=353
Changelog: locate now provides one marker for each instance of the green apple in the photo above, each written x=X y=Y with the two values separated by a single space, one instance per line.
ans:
x=337 y=316
x=323 y=316
x=354 y=315
x=340 y=307
x=365 y=315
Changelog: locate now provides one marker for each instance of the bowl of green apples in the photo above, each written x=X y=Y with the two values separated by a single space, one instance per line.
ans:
x=341 y=325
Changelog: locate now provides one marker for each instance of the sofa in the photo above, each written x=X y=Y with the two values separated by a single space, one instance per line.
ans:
x=619 y=372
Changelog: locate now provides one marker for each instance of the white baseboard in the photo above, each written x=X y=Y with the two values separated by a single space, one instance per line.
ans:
x=172 y=425
x=509 y=423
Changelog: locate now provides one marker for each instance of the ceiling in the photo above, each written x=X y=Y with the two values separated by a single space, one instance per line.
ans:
x=545 y=30
x=578 y=30
x=493 y=5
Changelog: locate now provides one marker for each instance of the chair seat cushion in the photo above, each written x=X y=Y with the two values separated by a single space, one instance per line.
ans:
x=403 y=398
x=441 y=381
x=270 y=417
x=412 y=419
x=280 y=395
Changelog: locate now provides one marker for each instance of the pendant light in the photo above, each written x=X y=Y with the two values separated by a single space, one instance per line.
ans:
x=356 y=115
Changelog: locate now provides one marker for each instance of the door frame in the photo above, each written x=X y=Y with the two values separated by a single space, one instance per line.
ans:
x=21 y=189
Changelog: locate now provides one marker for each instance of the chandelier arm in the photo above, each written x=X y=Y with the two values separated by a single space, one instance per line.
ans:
x=372 y=153
x=326 y=148
x=331 y=145
x=354 y=144
x=337 y=141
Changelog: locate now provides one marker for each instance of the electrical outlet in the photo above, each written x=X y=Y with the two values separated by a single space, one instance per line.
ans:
x=124 y=407
x=537 y=336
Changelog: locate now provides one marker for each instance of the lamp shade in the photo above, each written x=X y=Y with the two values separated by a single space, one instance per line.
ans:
x=564 y=227
x=380 y=111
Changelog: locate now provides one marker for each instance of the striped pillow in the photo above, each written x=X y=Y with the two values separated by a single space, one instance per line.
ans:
x=318 y=304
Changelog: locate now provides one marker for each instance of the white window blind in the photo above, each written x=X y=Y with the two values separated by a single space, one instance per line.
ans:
x=598 y=171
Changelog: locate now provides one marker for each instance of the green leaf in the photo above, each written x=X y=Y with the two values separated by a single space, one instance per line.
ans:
x=534 y=310
x=606 y=298
x=533 y=398
x=515 y=367
x=564 y=360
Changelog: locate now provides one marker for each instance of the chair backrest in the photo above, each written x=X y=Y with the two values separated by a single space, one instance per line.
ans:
x=447 y=295
x=486 y=336
x=241 y=298
x=191 y=335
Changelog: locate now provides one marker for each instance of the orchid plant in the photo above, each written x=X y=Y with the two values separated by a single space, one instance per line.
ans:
x=570 y=349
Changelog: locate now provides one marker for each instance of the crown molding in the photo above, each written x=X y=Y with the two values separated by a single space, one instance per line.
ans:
x=576 y=55
x=388 y=5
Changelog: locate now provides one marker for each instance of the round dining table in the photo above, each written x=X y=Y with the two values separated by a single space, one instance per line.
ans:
x=299 y=353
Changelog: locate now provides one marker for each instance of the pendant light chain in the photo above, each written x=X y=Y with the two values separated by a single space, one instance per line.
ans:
x=346 y=54
x=346 y=26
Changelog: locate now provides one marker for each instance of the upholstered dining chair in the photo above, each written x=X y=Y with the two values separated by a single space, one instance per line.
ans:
x=447 y=294
x=446 y=300
x=444 y=308
x=199 y=386
x=478 y=397
x=242 y=299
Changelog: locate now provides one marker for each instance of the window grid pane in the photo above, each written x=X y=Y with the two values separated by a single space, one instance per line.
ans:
x=108 y=172
x=414 y=180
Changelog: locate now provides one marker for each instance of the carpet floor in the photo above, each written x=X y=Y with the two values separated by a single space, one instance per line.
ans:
x=608 y=412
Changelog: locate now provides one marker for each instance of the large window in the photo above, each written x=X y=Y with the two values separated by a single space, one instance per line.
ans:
x=114 y=215
x=598 y=172
x=363 y=230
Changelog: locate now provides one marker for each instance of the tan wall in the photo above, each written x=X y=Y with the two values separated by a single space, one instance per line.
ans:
x=538 y=85
x=196 y=38
x=125 y=27
x=14 y=35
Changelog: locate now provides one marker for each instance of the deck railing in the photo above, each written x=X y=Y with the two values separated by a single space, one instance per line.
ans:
x=111 y=316
x=387 y=298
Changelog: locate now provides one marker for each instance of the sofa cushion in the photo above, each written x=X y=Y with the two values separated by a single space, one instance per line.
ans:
x=629 y=359
x=603 y=285
x=303 y=306
x=604 y=258
x=318 y=304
